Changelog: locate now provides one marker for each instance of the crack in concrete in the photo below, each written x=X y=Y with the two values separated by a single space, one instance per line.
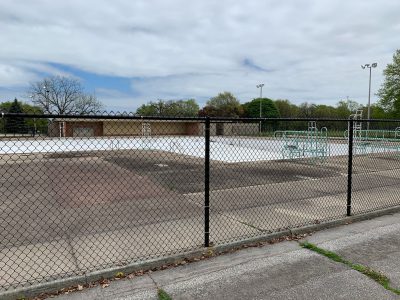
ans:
x=161 y=294
x=376 y=276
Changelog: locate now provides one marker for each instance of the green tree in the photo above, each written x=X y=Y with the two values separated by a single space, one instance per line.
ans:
x=389 y=93
x=344 y=108
x=30 y=124
x=223 y=105
x=377 y=112
x=182 y=108
x=307 y=110
x=324 y=111
x=151 y=109
x=171 y=108
x=34 y=124
x=15 y=124
x=287 y=109
x=268 y=108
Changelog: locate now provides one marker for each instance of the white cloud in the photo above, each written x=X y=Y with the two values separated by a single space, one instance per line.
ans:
x=117 y=101
x=12 y=75
x=180 y=49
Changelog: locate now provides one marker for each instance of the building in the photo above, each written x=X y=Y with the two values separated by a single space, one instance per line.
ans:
x=138 y=127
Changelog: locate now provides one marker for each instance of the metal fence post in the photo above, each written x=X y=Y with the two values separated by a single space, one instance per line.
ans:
x=207 y=184
x=350 y=166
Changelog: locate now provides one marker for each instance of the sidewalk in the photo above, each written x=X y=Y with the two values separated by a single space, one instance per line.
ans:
x=280 y=271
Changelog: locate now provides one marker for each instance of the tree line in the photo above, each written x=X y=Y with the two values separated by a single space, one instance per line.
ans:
x=227 y=105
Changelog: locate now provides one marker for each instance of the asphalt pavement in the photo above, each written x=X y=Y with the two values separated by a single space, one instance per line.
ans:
x=283 y=270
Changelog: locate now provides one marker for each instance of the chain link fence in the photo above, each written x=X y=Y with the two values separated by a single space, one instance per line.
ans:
x=86 y=193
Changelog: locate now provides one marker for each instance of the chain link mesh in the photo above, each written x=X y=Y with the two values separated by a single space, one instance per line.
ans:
x=86 y=193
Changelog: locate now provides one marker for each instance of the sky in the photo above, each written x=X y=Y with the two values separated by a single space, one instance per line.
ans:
x=131 y=52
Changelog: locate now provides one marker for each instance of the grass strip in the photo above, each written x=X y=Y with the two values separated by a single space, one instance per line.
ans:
x=367 y=271
x=162 y=295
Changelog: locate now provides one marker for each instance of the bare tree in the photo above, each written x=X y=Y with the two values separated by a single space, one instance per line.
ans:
x=62 y=95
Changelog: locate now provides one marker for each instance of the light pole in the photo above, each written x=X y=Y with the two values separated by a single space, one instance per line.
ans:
x=45 y=92
x=369 y=66
x=46 y=97
x=260 y=86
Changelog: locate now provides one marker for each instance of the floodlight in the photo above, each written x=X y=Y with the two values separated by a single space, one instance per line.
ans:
x=374 y=65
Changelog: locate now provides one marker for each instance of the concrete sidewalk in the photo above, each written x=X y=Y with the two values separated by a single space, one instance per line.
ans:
x=279 y=271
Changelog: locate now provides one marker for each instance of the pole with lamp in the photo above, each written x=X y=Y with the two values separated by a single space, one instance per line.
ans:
x=45 y=94
x=260 y=86
x=369 y=66
x=34 y=121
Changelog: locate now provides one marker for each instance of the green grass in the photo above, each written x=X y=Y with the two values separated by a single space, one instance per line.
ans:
x=367 y=271
x=331 y=255
x=162 y=295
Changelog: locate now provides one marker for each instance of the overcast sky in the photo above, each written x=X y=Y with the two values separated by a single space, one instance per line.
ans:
x=131 y=52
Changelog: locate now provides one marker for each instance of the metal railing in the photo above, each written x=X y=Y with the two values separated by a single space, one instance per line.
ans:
x=101 y=191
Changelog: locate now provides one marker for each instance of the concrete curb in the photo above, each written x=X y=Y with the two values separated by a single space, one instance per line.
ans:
x=56 y=285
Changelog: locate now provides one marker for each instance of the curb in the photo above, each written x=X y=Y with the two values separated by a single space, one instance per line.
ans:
x=56 y=285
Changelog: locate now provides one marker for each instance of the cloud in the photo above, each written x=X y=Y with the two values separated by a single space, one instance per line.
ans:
x=12 y=75
x=116 y=101
x=170 y=49
x=247 y=62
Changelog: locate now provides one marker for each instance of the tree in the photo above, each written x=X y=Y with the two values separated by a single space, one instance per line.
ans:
x=344 y=108
x=171 y=108
x=15 y=124
x=268 y=108
x=187 y=108
x=63 y=95
x=324 y=111
x=30 y=124
x=223 y=105
x=389 y=93
x=151 y=109
x=307 y=110
x=377 y=112
x=287 y=109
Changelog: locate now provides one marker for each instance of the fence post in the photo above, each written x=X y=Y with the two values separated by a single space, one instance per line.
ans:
x=350 y=166
x=207 y=184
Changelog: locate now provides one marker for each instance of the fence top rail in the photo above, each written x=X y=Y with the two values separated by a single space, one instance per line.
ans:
x=201 y=119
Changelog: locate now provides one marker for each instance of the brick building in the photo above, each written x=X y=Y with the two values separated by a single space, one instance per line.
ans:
x=129 y=127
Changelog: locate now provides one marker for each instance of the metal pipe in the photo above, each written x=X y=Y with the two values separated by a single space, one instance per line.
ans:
x=207 y=184
x=350 y=166
x=369 y=97
x=260 y=86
